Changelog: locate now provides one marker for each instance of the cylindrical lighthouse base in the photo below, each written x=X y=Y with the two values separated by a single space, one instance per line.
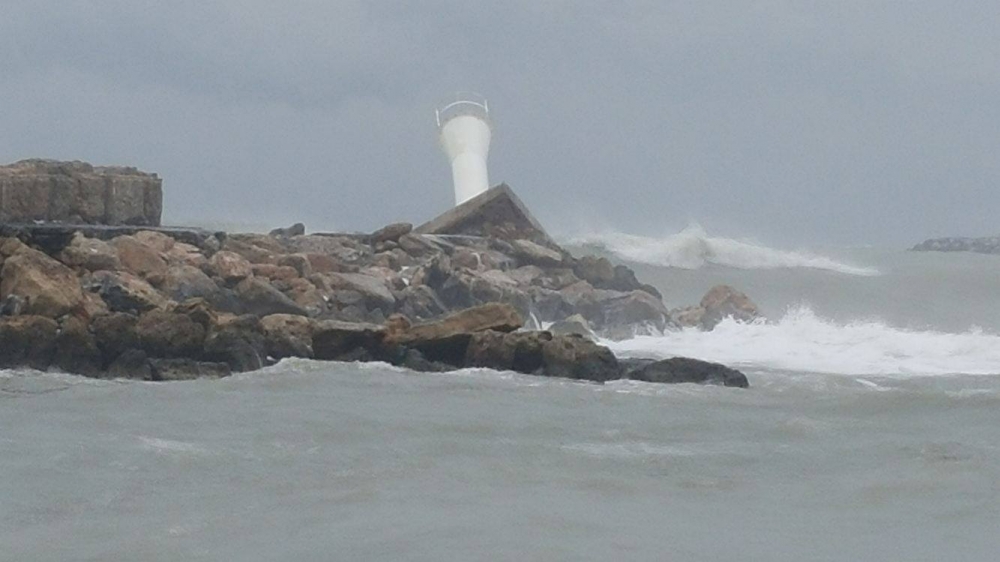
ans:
x=468 y=170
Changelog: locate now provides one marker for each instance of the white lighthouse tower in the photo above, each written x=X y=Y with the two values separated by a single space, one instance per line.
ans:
x=465 y=131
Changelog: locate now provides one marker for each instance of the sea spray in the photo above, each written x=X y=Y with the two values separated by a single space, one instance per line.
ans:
x=802 y=341
x=693 y=248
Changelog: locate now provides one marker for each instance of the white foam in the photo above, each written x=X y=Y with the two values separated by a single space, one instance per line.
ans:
x=803 y=342
x=693 y=248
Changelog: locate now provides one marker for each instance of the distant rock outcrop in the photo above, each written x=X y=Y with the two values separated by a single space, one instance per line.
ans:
x=986 y=245
x=78 y=193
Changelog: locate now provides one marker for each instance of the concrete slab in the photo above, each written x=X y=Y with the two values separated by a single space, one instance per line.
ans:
x=498 y=213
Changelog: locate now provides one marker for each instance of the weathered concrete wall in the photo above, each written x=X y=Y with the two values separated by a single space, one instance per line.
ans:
x=76 y=192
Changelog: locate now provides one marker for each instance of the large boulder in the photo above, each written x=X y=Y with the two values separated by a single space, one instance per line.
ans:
x=76 y=348
x=230 y=266
x=48 y=287
x=686 y=370
x=333 y=340
x=238 y=342
x=374 y=289
x=512 y=351
x=288 y=335
x=114 y=334
x=27 y=341
x=391 y=233
x=90 y=254
x=575 y=357
x=124 y=292
x=182 y=282
x=447 y=339
x=530 y=253
x=420 y=302
x=169 y=334
x=597 y=271
x=260 y=298
x=138 y=258
x=625 y=315
x=723 y=301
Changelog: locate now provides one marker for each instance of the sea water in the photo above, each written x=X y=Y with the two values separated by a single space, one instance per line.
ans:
x=871 y=431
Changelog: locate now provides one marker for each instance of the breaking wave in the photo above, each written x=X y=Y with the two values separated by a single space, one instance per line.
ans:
x=803 y=342
x=693 y=248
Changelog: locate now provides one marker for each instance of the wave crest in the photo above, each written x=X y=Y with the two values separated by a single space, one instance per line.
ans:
x=803 y=342
x=693 y=248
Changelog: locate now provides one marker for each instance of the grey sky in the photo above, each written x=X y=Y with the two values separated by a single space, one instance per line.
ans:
x=792 y=121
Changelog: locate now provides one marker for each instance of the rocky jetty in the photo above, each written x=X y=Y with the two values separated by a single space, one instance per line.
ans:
x=78 y=193
x=986 y=245
x=169 y=304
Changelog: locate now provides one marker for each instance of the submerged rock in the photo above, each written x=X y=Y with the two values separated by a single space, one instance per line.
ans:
x=686 y=370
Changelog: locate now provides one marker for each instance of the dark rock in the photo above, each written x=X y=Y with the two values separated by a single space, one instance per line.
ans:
x=420 y=303
x=115 y=333
x=198 y=310
x=391 y=233
x=513 y=351
x=131 y=364
x=575 y=357
x=287 y=335
x=13 y=305
x=685 y=370
x=625 y=315
x=238 y=342
x=299 y=262
x=124 y=292
x=258 y=297
x=27 y=341
x=595 y=270
x=334 y=340
x=168 y=334
x=183 y=369
x=182 y=282
x=76 y=348
x=297 y=229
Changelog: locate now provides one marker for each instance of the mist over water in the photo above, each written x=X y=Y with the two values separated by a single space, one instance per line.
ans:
x=693 y=248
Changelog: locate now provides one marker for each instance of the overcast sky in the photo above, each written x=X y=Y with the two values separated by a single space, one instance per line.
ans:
x=790 y=121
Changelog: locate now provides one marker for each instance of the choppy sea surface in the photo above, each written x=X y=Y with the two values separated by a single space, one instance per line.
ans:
x=871 y=431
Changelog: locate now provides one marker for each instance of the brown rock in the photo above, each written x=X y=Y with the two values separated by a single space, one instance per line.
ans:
x=48 y=287
x=515 y=351
x=321 y=263
x=392 y=232
x=529 y=253
x=138 y=258
x=298 y=261
x=168 y=334
x=273 y=272
x=724 y=301
x=186 y=254
x=198 y=310
x=90 y=254
x=230 y=266
x=156 y=240
x=287 y=335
